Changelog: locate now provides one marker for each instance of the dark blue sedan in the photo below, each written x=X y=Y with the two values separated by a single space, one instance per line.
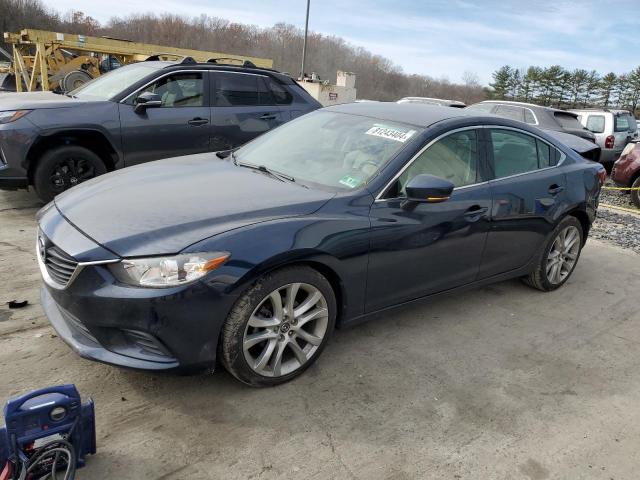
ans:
x=253 y=257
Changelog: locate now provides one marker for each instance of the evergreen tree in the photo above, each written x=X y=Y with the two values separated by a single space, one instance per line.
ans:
x=607 y=84
x=501 y=82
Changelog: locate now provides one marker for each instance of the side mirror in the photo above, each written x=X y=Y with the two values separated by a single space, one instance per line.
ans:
x=147 y=100
x=429 y=189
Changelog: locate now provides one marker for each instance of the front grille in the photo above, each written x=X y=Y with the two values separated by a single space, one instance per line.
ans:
x=59 y=265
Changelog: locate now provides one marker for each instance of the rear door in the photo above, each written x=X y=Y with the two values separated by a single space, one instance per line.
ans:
x=244 y=107
x=181 y=126
x=527 y=190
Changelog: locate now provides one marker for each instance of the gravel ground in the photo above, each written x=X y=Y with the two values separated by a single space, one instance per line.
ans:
x=615 y=226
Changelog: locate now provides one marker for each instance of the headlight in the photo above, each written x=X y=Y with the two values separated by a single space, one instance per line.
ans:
x=158 y=272
x=12 y=115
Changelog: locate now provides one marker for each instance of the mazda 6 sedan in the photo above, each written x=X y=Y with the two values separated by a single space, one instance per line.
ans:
x=252 y=257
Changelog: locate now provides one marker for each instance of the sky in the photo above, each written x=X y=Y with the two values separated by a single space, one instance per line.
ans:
x=439 y=38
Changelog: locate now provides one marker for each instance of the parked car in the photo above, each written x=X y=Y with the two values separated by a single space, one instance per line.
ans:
x=613 y=130
x=137 y=113
x=546 y=118
x=255 y=257
x=433 y=101
x=626 y=171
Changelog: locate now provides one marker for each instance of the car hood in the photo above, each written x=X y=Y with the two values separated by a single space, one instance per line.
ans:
x=33 y=100
x=163 y=207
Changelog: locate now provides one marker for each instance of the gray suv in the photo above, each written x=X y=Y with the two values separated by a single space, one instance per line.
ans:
x=138 y=113
x=613 y=129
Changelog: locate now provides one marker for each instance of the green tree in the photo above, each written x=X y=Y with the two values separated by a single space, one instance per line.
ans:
x=579 y=80
x=501 y=82
x=607 y=85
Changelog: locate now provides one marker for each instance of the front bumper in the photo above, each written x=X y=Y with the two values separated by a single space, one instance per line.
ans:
x=105 y=320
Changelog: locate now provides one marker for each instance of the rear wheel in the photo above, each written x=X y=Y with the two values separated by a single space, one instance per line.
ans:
x=279 y=327
x=559 y=257
x=635 y=194
x=63 y=167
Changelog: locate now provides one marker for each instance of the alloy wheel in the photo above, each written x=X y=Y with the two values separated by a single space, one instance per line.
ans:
x=563 y=255
x=70 y=172
x=285 y=330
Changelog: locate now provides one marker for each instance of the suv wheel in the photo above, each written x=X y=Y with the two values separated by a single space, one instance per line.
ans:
x=635 y=194
x=559 y=257
x=64 y=167
x=279 y=327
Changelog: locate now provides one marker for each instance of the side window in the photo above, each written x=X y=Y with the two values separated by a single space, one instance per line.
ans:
x=280 y=94
x=509 y=111
x=595 y=123
x=529 y=117
x=236 y=89
x=179 y=90
x=455 y=158
x=513 y=153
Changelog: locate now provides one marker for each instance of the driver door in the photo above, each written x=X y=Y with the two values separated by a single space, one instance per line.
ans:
x=181 y=126
x=422 y=248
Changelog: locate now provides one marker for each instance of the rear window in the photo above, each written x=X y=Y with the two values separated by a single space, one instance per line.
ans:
x=529 y=117
x=624 y=123
x=566 y=120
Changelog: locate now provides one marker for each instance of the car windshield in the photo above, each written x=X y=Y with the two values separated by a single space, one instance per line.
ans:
x=330 y=149
x=110 y=84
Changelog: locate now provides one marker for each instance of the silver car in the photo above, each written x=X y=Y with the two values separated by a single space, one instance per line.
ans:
x=613 y=129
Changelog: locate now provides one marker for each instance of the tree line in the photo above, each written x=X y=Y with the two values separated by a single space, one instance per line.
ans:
x=558 y=87
x=378 y=78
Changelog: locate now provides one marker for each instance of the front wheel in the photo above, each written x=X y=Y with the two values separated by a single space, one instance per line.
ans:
x=279 y=327
x=63 y=167
x=559 y=257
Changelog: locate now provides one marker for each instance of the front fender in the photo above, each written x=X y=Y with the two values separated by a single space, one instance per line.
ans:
x=337 y=245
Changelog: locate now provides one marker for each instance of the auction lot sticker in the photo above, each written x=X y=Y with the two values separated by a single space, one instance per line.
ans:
x=390 y=133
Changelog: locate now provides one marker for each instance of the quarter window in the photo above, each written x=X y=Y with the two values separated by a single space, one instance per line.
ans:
x=179 y=90
x=544 y=155
x=529 y=117
x=454 y=158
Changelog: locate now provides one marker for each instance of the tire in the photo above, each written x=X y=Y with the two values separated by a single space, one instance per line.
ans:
x=544 y=278
x=255 y=316
x=64 y=167
x=635 y=194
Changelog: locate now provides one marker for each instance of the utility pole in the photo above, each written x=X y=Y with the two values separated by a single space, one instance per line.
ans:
x=304 y=44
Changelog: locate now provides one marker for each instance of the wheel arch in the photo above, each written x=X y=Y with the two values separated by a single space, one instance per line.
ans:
x=323 y=263
x=583 y=218
x=93 y=140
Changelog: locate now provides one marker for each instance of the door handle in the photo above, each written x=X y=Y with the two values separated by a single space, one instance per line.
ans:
x=555 y=189
x=268 y=116
x=198 y=121
x=474 y=213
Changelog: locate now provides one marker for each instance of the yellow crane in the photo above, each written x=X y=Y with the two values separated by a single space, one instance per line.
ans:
x=43 y=60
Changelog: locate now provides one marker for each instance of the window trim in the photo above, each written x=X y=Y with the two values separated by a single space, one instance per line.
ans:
x=415 y=157
x=388 y=185
x=535 y=117
x=173 y=72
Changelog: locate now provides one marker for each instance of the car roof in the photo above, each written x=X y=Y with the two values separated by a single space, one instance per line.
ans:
x=420 y=115
x=181 y=65
x=525 y=104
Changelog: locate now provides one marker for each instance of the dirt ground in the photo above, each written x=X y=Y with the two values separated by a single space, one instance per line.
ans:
x=504 y=382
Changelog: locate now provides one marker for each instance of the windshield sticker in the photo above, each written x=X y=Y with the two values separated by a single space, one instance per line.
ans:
x=390 y=133
x=350 y=181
